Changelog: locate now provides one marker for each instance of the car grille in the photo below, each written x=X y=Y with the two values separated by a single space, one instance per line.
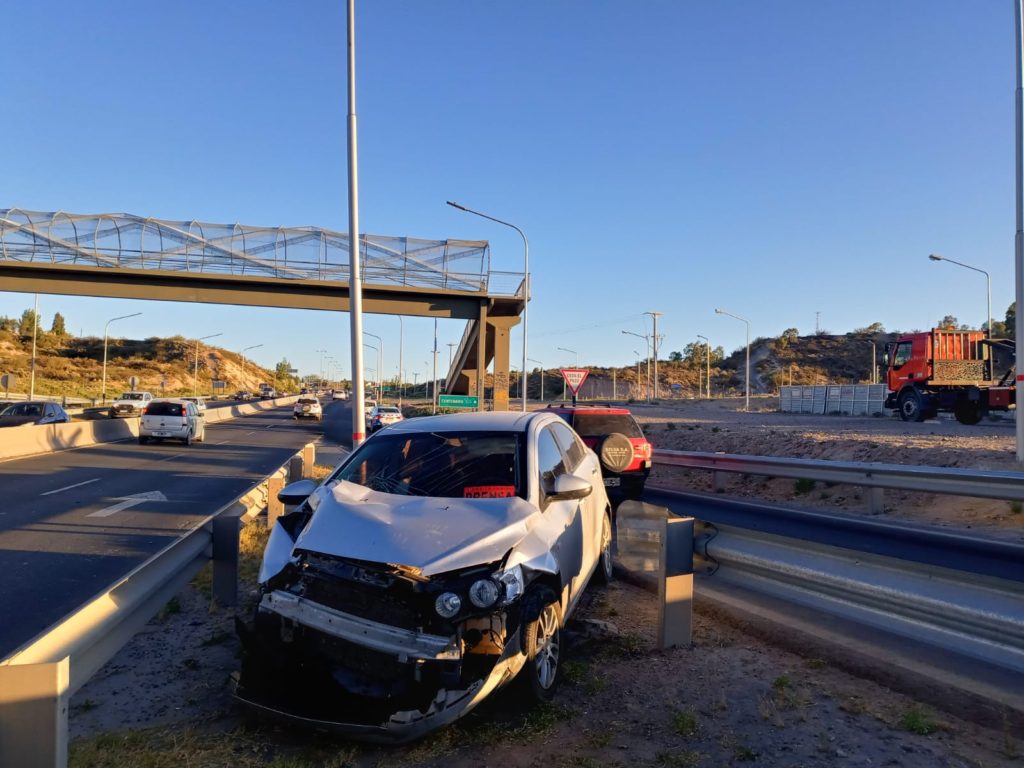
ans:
x=394 y=605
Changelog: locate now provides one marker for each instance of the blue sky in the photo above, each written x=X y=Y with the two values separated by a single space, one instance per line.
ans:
x=773 y=158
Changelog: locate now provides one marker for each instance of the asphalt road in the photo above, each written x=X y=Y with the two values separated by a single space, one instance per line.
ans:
x=73 y=522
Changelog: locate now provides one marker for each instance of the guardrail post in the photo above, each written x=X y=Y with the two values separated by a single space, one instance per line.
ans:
x=718 y=481
x=295 y=469
x=274 y=507
x=34 y=714
x=876 y=500
x=308 y=459
x=225 y=556
x=675 y=583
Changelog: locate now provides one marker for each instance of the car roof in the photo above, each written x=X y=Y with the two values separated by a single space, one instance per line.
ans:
x=178 y=400
x=610 y=409
x=477 y=421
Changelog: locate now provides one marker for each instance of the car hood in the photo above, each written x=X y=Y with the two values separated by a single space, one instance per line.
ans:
x=435 y=535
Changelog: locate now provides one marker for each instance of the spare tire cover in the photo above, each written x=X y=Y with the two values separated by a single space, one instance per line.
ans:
x=616 y=452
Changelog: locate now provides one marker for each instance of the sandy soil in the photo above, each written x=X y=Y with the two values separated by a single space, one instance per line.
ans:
x=728 y=700
x=719 y=426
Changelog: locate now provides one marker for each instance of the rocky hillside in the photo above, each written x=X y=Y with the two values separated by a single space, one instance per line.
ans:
x=73 y=366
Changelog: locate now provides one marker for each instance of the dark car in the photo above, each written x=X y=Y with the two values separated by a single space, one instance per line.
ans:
x=33 y=412
x=616 y=437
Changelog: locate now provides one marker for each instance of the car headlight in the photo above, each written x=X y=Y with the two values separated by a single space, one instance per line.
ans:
x=512 y=581
x=484 y=593
x=448 y=605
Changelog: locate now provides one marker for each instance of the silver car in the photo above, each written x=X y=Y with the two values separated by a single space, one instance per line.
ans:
x=172 y=420
x=436 y=564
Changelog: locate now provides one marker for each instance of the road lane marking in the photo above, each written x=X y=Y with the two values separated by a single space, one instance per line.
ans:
x=69 y=487
x=222 y=442
x=127 y=502
x=168 y=458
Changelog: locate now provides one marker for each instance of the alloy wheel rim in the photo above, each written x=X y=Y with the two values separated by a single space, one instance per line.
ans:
x=547 y=647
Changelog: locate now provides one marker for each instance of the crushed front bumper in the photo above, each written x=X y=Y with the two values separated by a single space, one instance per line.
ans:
x=401 y=646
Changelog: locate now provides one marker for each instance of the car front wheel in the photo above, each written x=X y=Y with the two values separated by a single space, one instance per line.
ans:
x=542 y=641
x=604 y=564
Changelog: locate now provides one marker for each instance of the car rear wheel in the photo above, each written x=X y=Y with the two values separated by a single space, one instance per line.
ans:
x=188 y=439
x=143 y=440
x=910 y=405
x=542 y=641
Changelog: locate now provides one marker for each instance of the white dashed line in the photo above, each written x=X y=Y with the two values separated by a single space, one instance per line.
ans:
x=69 y=487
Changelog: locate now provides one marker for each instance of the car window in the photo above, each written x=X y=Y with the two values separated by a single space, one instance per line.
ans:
x=550 y=462
x=306 y=400
x=439 y=464
x=132 y=396
x=389 y=410
x=903 y=354
x=570 y=445
x=164 y=409
x=600 y=424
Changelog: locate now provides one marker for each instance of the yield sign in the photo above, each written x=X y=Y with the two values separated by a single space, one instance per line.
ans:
x=574 y=378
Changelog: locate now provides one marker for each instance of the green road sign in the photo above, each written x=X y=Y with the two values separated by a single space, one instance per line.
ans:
x=458 y=401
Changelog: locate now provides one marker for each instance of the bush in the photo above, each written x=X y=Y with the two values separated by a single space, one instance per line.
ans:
x=803 y=485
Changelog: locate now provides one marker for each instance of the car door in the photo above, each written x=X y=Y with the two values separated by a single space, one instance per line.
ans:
x=583 y=464
x=562 y=520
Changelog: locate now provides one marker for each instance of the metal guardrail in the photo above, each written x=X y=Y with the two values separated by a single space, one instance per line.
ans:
x=956 y=593
x=38 y=680
x=875 y=477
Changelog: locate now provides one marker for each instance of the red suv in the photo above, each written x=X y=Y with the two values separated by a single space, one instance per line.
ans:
x=618 y=441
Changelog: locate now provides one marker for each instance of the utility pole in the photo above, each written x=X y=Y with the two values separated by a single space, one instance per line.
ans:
x=654 y=317
x=35 y=331
x=1018 y=33
x=817 y=324
x=707 y=347
x=355 y=270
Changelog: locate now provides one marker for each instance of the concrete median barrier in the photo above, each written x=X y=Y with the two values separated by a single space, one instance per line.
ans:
x=32 y=439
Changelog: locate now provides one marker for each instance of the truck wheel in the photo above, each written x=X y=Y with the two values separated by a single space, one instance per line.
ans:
x=967 y=412
x=909 y=405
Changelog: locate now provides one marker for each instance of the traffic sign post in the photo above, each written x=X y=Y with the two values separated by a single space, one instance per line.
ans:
x=574 y=378
x=458 y=401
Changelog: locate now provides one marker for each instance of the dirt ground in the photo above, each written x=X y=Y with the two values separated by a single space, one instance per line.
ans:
x=719 y=426
x=730 y=700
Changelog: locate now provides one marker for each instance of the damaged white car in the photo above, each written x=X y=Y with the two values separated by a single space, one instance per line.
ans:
x=439 y=562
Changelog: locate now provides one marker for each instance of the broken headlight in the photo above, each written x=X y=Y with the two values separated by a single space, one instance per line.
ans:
x=512 y=581
x=448 y=605
x=484 y=593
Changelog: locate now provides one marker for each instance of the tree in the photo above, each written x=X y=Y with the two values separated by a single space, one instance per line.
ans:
x=948 y=323
x=58 y=329
x=283 y=369
x=675 y=357
x=8 y=323
x=790 y=334
x=1011 y=321
x=871 y=330
x=28 y=323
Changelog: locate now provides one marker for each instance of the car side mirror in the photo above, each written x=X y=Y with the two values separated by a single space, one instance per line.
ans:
x=885 y=359
x=570 y=487
x=295 y=493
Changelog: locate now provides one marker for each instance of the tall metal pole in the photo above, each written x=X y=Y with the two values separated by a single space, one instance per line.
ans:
x=105 y=329
x=380 y=365
x=1018 y=8
x=635 y=352
x=526 y=275
x=572 y=351
x=988 y=284
x=541 y=366
x=434 y=396
x=195 y=370
x=401 y=357
x=747 y=323
x=707 y=347
x=35 y=331
x=355 y=270
x=654 y=317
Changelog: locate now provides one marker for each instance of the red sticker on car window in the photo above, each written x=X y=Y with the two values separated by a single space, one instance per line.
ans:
x=488 y=491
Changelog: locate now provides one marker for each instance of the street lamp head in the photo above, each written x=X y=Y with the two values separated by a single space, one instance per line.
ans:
x=718 y=311
x=934 y=257
x=455 y=205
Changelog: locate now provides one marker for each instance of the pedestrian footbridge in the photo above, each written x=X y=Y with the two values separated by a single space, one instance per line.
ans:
x=120 y=255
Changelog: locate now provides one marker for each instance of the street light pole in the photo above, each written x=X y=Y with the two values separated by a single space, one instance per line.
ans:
x=376 y=370
x=195 y=369
x=539 y=363
x=355 y=269
x=526 y=275
x=1018 y=249
x=35 y=332
x=254 y=346
x=637 y=353
x=654 y=318
x=747 y=322
x=105 y=328
x=707 y=350
x=380 y=364
x=647 y=342
x=988 y=283
x=401 y=357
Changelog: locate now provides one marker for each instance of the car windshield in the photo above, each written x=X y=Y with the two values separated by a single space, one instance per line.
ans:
x=131 y=396
x=440 y=464
x=24 y=409
x=164 y=409
x=306 y=400
x=388 y=410
x=600 y=424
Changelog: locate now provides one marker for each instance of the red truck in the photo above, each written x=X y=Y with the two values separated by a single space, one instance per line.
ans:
x=962 y=372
